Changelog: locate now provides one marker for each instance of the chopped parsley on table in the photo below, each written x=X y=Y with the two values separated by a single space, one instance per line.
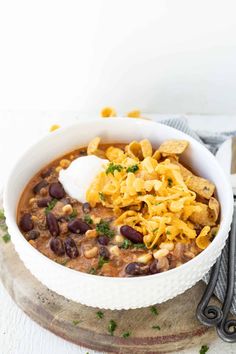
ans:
x=75 y=322
x=204 y=349
x=153 y=310
x=126 y=334
x=156 y=327
x=51 y=205
x=103 y=228
x=6 y=238
x=112 y=327
x=112 y=168
x=132 y=169
x=88 y=219
x=2 y=216
x=99 y=314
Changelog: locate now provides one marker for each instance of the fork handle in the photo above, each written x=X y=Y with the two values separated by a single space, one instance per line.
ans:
x=210 y=315
x=226 y=329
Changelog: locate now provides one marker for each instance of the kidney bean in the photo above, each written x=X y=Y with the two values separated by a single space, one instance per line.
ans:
x=103 y=240
x=86 y=208
x=78 y=226
x=154 y=267
x=56 y=190
x=26 y=222
x=131 y=234
x=52 y=224
x=43 y=203
x=136 y=268
x=46 y=173
x=32 y=235
x=71 y=248
x=104 y=252
x=42 y=184
x=57 y=246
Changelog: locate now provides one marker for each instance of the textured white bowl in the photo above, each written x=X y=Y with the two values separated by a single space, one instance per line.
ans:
x=106 y=292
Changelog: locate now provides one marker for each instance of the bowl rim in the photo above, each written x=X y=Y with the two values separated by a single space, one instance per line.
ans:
x=13 y=227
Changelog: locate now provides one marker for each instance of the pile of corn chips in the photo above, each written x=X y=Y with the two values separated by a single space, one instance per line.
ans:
x=151 y=191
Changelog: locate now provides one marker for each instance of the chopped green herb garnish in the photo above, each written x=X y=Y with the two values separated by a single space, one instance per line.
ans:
x=88 y=219
x=126 y=244
x=73 y=215
x=153 y=310
x=101 y=262
x=75 y=322
x=126 y=334
x=168 y=232
x=92 y=271
x=112 y=167
x=133 y=168
x=170 y=182
x=139 y=245
x=155 y=230
x=51 y=205
x=203 y=349
x=103 y=228
x=63 y=262
x=6 y=238
x=158 y=203
x=2 y=216
x=3 y=226
x=102 y=196
x=99 y=314
x=156 y=327
x=111 y=327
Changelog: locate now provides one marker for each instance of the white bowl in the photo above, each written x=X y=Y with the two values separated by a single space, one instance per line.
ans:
x=107 y=292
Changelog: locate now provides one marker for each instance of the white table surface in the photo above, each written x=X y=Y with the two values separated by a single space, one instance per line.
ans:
x=18 y=129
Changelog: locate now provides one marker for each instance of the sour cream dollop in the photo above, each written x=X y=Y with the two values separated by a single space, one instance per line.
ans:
x=77 y=178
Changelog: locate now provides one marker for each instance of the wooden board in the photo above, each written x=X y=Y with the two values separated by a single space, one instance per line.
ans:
x=179 y=328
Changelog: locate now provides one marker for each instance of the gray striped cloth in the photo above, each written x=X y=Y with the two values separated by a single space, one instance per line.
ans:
x=212 y=142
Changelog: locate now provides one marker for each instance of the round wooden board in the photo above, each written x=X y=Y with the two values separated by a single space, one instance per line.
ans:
x=179 y=328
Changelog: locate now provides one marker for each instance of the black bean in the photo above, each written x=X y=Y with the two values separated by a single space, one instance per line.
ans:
x=154 y=267
x=71 y=248
x=104 y=252
x=131 y=234
x=32 y=235
x=103 y=240
x=86 y=207
x=136 y=268
x=43 y=203
x=57 y=246
x=42 y=184
x=56 y=190
x=26 y=222
x=78 y=226
x=52 y=224
x=46 y=173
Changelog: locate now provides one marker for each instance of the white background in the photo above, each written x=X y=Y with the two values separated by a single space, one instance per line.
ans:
x=61 y=59
x=165 y=56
